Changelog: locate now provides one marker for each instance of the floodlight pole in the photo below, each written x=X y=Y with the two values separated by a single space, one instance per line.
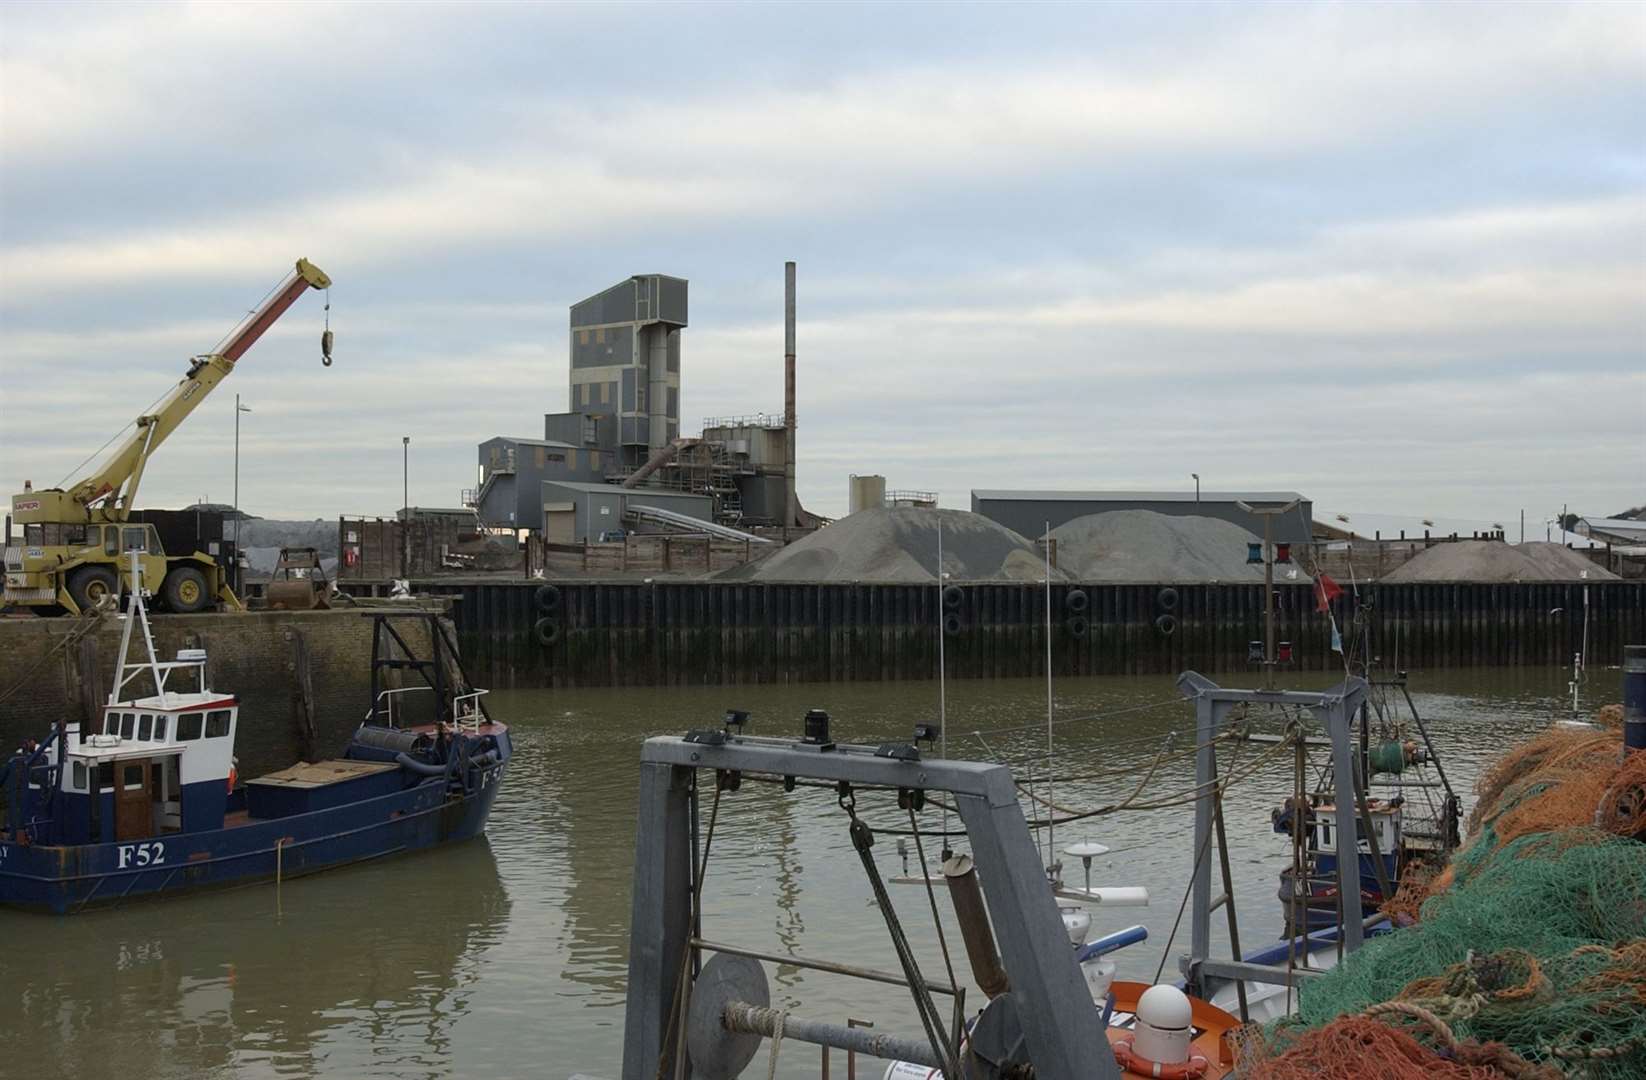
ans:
x=1268 y=514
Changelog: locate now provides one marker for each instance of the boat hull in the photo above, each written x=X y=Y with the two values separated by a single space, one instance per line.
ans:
x=67 y=879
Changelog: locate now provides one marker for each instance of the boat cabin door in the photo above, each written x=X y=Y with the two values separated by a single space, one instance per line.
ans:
x=133 y=813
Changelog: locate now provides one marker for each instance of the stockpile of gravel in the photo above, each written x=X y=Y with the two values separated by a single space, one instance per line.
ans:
x=1143 y=546
x=1494 y=560
x=900 y=544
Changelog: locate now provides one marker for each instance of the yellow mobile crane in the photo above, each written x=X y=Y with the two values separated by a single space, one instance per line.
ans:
x=77 y=540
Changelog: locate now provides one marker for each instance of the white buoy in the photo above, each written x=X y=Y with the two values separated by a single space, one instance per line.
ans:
x=1164 y=1025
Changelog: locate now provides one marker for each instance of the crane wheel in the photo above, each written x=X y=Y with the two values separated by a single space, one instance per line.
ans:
x=90 y=584
x=185 y=590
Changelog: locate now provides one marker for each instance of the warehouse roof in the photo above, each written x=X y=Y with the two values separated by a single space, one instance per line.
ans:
x=999 y=494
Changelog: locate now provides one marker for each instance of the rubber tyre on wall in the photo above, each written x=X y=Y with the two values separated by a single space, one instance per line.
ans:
x=546 y=630
x=185 y=591
x=952 y=624
x=1077 y=626
x=1076 y=601
x=89 y=584
x=953 y=597
x=548 y=599
x=1167 y=625
x=1167 y=599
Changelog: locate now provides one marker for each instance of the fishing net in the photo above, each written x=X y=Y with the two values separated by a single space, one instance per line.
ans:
x=1394 y=1046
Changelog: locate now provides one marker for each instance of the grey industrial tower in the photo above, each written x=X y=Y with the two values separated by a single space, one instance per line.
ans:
x=625 y=362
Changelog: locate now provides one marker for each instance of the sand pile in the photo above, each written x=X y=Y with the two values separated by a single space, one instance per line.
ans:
x=1493 y=560
x=900 y=544
x=1143 y=546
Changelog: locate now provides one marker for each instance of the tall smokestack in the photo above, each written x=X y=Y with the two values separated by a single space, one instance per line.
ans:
x=793 y=501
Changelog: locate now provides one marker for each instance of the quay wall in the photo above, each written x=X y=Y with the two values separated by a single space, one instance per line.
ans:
x=250 y=654
x=631 y=633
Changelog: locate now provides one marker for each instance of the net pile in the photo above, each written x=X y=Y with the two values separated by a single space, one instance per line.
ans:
x=1528 y=954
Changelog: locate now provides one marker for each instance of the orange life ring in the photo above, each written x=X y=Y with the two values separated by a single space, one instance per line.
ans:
x=233 y=776
x=1131 y=1062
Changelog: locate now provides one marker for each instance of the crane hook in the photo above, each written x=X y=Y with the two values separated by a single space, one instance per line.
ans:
x=325 y=335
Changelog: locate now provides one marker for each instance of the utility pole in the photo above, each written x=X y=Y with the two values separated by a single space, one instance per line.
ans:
x=1268 y=514
x=234 y=574
x=405 y=506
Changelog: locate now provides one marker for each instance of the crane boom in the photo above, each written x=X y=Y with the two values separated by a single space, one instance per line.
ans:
x=124 y=467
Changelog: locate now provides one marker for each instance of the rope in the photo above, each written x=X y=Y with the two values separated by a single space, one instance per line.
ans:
x=862 y=840
x=931 y=897
x=782 y=1015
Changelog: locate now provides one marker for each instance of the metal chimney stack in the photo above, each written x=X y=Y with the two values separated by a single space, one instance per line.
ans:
x=792 y=516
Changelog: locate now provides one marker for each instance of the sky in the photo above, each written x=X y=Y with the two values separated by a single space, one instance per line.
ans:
x=1390 y=256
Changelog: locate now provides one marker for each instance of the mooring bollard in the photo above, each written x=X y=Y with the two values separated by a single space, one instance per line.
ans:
x=1634 y=697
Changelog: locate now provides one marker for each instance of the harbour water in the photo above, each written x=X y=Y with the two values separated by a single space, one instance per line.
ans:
x=506 y=957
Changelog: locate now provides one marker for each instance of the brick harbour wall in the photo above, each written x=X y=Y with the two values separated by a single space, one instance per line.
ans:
x=249 y=654
x=677 y=632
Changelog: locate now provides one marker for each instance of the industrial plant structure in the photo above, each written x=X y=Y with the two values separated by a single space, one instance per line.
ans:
x=623 y=428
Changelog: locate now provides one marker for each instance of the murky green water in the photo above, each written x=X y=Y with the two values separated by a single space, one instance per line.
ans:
x=506 y=957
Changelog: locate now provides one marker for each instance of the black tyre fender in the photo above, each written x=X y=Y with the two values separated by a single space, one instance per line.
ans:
x=87 y=583
x=952 y=624
x=1167 y=599
x=953 y=597
x=548 y=599
x=1077 y=626
x=546 y=630
x=1167 y=625
x=185 y=590
x=1076 y=601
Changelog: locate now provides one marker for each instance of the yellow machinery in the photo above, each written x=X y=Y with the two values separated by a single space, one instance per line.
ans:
x=74 y=537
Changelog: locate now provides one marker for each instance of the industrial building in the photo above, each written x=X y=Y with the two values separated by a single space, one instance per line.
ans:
x=574 y=512
x=623 y=425
x=1028 y=513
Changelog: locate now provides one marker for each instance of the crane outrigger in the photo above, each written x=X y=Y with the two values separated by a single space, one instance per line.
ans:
x=74 y=538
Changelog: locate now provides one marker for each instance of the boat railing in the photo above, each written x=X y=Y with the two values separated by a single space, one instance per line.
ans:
x=390 y=696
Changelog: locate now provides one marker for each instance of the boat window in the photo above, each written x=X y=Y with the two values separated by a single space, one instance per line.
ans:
x=80 y=776
x=105 y=776
x=160 y=729
x=128 y=722
x=189 y=726
x=217 y=723
x=131 y=777
x=145 y=727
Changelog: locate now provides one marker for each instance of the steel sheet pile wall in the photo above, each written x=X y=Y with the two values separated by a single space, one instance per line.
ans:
x=627 y=634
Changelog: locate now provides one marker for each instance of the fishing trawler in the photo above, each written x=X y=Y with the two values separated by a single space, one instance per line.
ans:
x=146 y=801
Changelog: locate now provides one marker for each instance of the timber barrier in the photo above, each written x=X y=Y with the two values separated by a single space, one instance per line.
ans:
x=628 y=633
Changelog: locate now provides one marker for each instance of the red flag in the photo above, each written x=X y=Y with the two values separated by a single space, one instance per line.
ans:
x=1326 y=590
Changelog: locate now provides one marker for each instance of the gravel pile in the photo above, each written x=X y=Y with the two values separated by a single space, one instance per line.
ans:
x=1146 y=547
x=1494 y=560
x=900 y=544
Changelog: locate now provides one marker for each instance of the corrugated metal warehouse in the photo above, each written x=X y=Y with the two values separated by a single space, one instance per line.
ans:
x=1028 y=512
x=574 y=512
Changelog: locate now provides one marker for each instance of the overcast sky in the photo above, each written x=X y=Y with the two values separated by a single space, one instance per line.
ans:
x=1393 y=257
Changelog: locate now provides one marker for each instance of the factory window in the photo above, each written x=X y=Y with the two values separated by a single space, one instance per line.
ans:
x=582 y=337
x=557 y=458
x=594 y=460
x=145 y=727
x=640 y=397
x=600 y=336
x=217 y=723
x=583 y=393
x=571 y=459
x=606 y=393
x=541 y=454
x=496 y=451
x=189 y=726
x=589 y=429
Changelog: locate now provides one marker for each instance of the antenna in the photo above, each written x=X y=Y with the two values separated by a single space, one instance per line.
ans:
x=1051 y=807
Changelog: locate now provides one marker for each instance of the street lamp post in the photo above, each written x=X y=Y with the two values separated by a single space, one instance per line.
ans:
x=405 y=505
x=1196 y=487
x=238 y=409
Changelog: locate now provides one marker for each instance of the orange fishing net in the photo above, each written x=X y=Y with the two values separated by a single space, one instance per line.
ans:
x=1363 y=1048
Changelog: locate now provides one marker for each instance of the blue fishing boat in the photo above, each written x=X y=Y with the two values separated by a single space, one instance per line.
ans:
x=147 y=801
